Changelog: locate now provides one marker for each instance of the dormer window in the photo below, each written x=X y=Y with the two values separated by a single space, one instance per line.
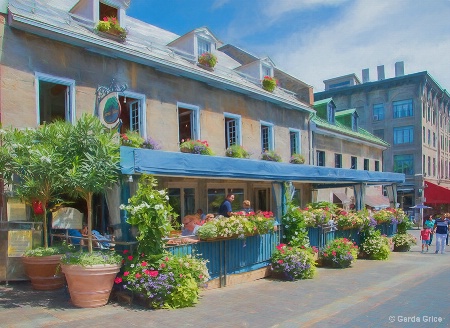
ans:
x=267 y=71
x=331 y=113
x=203 y=46
x=355 y=122
x=107 y=11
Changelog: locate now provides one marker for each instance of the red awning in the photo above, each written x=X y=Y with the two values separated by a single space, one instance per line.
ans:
x=435 y=194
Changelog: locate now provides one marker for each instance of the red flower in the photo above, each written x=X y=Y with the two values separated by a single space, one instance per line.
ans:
x=126 y=273
x=138 y=275
x=325 y=254
x=166 y=259
x=144 y=264
x=200 y=276
x=125 y=251
x=105 y=19
x=280 y=246
x=153 y=273
x=163 y=265
x=118 y=280
x=334 y=253
x=130 y=257
x=280 y=261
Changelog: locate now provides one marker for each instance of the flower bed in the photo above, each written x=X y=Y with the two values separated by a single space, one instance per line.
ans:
x=238 y=225
x=403 y=242
x=165 y=282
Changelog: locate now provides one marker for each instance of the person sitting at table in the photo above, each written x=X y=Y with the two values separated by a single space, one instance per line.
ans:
x=190 y=225
x=246 y=206
x=77 y=236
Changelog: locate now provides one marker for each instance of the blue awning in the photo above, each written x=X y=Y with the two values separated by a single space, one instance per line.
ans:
x=166 y=163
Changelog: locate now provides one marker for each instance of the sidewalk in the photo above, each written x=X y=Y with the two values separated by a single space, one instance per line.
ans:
x=365 y=295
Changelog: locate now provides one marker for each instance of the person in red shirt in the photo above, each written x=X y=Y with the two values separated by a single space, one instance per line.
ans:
x=425 y=237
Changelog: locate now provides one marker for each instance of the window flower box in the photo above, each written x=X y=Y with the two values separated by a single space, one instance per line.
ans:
x=269 y=83
x=109 y=28
x=207 y=60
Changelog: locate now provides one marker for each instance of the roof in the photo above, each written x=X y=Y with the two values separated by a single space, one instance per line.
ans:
x=345 y=112
x=345 y=130
x=145 y=44
x=166 y=163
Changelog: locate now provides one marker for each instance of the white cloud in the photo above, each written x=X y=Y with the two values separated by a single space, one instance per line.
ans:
x=368 y=34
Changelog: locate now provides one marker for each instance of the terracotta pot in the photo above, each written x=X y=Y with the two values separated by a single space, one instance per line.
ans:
x=90 y=286
x=44 y=272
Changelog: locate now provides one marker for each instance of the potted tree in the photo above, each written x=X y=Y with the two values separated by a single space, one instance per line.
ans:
x=94 y=166
x=36 y=158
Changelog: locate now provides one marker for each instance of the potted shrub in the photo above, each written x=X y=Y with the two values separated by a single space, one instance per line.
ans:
x=237 y=151
x=293 y=262
x=109 y=26
x=207 y=59
x=94 y=166
x=37 y=158
x=340 y=253
x=403 y=242
x=269 y=83
x=375 y=245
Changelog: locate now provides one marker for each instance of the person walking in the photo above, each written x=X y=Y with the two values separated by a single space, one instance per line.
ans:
x=429 y=223
x=441 y=231
x=225 y=208
x=425 y=237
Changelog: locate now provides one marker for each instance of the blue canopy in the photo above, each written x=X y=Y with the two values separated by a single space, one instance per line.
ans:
x=166 y=163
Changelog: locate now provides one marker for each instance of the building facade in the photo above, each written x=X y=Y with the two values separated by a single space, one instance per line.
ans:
x=56 y=63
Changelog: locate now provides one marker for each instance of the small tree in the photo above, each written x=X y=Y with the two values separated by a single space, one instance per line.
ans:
x=37 y=158
x=94 y=162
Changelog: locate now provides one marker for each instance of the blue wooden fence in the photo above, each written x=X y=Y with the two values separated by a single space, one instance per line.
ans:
x=231 y=256
x=320 y=236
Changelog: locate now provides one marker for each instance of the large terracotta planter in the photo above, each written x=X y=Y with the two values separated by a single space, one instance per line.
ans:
x=44 y=271
x=90 y=286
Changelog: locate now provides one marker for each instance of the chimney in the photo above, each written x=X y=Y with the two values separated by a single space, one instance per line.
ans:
x=399 y=69
x=365 y=75
x=380 y=70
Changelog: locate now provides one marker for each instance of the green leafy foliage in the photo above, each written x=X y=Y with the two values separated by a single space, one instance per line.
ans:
x=237 y=151
x=53 y=250
x=166 y=280
x=294 y=262
x=404 y=241
x=376 y=246
x=207 y=59
x=196 y=147
x=131 y=139
x=297 y=159
x=340 y=253
x=271 y=156
x=294 y=226
x=149 y=210
x=111 y=25
x=86 y=259
x=269 y=83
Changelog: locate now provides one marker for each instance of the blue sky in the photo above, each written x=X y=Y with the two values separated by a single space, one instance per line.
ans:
x=315 y=40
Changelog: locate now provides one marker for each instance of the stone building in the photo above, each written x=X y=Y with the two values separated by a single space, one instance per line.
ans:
x=58 y=63
x=411 y=113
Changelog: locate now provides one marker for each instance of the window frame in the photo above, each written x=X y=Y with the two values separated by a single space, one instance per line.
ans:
x=320 y=158
x=403 y=134
x=207 y=43
x=338 y=160
x=238 y=126
x=195 y=120
x=141 y=99
x=378 y=112
x=70 y=103
x=401 y=108
x=353 y=162
x=271 y=141
x=296 y=148
x=410 y=159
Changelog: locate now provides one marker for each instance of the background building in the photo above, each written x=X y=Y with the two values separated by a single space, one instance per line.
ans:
x=411 y=113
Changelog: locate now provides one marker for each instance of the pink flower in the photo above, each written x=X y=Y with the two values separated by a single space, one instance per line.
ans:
x=125 y=251
x=166 y=259
x=118 y=280
x=334 y=253
x=163 y=265
x=153 y=273
x=126 y=273
x=280 y=261
x=130 y=257
x=105 y=19
x=144 y=264
x=138 y=275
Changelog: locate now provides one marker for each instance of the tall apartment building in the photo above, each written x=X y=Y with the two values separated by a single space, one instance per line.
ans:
x=411 y=113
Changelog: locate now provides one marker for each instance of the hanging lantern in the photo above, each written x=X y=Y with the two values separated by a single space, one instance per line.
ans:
x=37 y=207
